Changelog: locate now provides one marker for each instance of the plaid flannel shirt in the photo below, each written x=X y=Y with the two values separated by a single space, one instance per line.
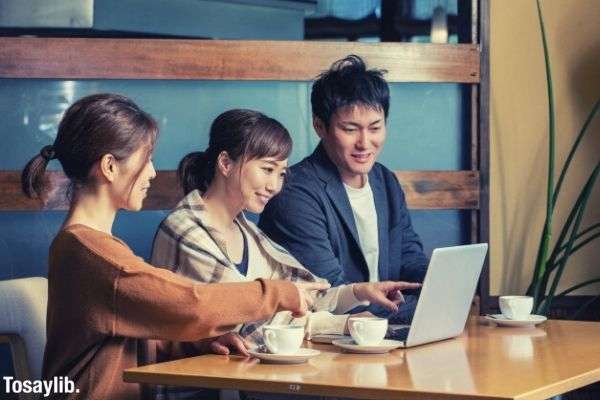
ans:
x=187 y=244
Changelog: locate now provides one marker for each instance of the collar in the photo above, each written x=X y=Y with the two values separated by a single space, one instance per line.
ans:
x=194 y=204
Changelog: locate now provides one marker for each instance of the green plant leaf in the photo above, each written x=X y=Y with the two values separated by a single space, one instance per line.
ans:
x=587 y=190
x=574 y=249
x=578 y=286
x=568 y=228
x=583 y=233
x=547 y=267
x=567 y=163
x=589 y=229
x=540 y=264
x=551 y=125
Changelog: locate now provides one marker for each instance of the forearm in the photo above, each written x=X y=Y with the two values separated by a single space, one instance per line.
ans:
x=184 y=311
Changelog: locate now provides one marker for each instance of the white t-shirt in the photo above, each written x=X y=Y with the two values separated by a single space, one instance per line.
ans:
x=365 y=218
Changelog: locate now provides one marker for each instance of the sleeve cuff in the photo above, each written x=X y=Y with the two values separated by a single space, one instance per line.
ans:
x=347 y=300
x=323 y=322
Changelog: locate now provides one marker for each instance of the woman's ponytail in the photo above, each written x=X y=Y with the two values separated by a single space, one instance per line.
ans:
x=95 y=125
x=195 y=171
x=32 y=177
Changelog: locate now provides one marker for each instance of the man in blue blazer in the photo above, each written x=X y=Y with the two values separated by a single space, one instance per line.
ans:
x=342 y=214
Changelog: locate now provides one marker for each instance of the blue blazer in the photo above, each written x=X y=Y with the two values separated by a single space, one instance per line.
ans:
x=312 y=218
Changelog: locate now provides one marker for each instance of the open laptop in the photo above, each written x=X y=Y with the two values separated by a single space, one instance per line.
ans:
x=445 y=299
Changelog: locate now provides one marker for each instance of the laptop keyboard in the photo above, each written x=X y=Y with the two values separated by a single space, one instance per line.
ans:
x=398 y=332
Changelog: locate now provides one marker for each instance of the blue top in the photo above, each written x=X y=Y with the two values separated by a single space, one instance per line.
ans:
x=312 y=218
x=243 y=265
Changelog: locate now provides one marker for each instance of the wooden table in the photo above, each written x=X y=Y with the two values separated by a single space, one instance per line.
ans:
x=486 y=362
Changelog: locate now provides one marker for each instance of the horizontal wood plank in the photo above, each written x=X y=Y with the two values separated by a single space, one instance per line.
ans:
x=440 y=189
x=94 y=58
x=424 y=190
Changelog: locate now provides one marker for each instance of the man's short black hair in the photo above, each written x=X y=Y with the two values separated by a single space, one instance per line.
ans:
x=349 y=83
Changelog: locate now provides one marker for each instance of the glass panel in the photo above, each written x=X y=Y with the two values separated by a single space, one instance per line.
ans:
x=426 y=125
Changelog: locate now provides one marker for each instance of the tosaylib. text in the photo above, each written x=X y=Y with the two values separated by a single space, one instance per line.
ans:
x=58 y=384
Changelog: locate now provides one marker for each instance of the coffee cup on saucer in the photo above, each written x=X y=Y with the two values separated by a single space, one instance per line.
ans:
x=283 y=339
x=516 y=307
x=367 y=331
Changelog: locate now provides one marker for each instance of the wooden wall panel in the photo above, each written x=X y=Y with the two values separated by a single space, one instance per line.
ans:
x=424 y=190
x=93 y=58
x=440 y=189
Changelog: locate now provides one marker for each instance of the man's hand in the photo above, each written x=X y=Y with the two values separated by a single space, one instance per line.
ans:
x=386 y=294
x=306 y=301
x=228 y=342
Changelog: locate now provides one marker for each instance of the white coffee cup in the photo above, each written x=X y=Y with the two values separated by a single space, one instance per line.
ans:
x=516 y=307
x=367 y=331
x=283 y=339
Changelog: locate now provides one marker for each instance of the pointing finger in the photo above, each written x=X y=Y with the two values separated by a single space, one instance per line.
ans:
x=390 y=305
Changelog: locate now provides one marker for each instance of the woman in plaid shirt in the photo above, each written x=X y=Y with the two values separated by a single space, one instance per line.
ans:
x=208 y=238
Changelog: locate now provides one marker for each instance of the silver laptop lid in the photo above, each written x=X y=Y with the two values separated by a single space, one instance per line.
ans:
x=447 y=293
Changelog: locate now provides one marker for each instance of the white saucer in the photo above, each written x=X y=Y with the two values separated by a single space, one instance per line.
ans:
x=501 y=320
x=383 y=347
x=301 y=356
x=327 y=338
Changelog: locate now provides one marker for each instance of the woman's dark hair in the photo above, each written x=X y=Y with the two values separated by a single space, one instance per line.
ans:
x=241 y=133
x=349 y=83
x=92 y=127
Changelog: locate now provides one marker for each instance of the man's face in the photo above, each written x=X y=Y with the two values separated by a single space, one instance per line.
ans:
x=353 y=141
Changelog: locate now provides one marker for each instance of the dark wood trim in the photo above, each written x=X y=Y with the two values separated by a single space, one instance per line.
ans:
x=338 y=28
x=424 y=190
x=475 y=23
x=92 y=58
x=473 y=12
x=484 y=147
x=474 y=150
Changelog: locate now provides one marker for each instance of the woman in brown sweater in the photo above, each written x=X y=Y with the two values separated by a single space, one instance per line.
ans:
x=105 y=303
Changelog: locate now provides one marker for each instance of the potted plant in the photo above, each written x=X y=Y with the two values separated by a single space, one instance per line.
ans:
x=551 y=260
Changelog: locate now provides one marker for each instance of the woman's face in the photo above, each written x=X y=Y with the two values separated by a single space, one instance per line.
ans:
x=135 y=174
x=259 y=180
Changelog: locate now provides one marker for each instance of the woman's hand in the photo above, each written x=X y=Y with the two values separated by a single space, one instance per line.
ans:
x=306 y=301
x=229 y=342
x=387 y=294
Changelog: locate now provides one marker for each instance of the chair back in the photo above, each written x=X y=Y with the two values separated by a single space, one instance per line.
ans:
x=23 y=305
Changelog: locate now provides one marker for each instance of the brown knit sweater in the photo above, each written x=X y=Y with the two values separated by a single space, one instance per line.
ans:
x=103 y=299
